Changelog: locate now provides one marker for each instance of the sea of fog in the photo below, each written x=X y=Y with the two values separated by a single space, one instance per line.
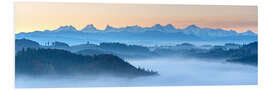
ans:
x=173 y=72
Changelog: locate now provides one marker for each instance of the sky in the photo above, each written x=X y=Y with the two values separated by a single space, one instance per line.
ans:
x=39 y=16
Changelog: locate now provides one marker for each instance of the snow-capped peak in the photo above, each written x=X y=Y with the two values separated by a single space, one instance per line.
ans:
x=66 y=28
x=157 y=26
x=192 y=27
x=169 y=27
x=110 y=28
x=89 y=28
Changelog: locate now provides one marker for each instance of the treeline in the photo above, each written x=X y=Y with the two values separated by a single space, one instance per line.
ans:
x=119 y=49
x=246 y=54
x=115 y=46
x=60 y=62
x=243 y=54
x=234 y=52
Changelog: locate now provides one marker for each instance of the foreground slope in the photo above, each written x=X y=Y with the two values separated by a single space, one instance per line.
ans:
x=60 y=62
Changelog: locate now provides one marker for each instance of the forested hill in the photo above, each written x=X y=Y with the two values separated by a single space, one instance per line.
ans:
x=54 y=62
x=120 y=49
x=25 y=43
x=248 y=54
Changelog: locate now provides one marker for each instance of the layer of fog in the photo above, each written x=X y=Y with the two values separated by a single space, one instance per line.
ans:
x=173 y=72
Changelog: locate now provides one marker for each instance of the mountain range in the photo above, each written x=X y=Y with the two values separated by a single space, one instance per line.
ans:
x=157 y=33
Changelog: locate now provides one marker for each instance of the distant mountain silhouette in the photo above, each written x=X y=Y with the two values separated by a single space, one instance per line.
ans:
x=185 y=45
x=90 y=28
x=248 y=33
x=60 y=62
x=158 y=33
x=66 y=29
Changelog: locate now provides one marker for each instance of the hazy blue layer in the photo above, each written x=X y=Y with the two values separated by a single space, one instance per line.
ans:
x=173 y=72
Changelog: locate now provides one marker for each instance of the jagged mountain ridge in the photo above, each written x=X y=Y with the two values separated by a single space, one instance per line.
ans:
x=156 y=33
x=191 y=29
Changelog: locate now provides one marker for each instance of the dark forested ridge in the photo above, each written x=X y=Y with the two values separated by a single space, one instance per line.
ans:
x=248 y=54
x=233 y=52
x=120 y=49
x=243 y=54
x=54 y=61
x=249 y=60
x=25 y=43
x=123 y=47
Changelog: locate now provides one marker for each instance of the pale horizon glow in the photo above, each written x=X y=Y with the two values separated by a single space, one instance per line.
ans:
x=39 y=16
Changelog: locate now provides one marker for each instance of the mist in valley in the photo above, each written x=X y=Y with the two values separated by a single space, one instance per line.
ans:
x=173 y=71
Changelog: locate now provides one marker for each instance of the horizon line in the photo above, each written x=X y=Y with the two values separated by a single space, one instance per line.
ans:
x=108 y=25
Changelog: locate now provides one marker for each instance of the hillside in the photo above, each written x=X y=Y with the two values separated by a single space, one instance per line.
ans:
x=25 y=43
x=248 y=54
x=60 y=62
x=120 y=49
